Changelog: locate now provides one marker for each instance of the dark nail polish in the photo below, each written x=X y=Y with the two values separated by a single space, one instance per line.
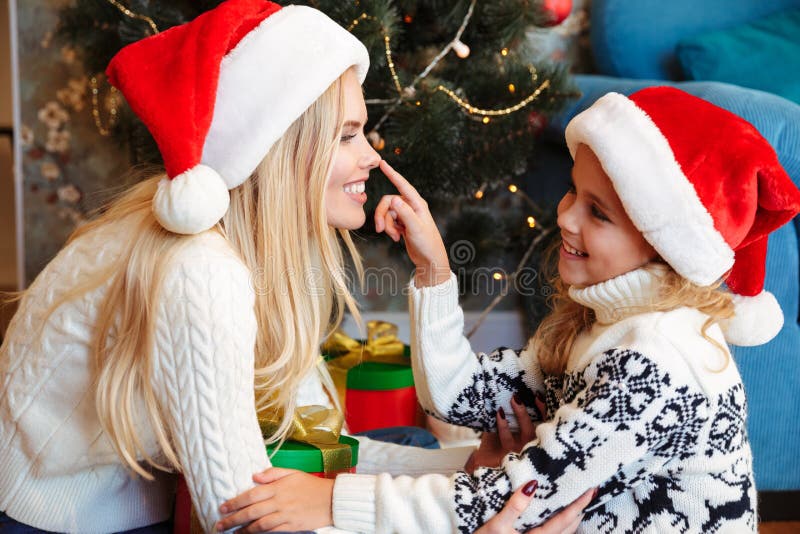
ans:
x=530 y=487
x=502 y=413
x=594 y=494
x=516 y=399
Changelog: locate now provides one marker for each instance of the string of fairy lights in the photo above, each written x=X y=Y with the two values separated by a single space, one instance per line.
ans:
x=484 y=115
x=111 y=99
x=462 y=51
x=111 y=105
x=404 y=94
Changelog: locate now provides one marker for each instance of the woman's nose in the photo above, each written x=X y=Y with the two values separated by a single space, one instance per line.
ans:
x=370 y=159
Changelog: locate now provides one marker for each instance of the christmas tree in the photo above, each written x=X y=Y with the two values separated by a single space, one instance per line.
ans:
x=455 y=102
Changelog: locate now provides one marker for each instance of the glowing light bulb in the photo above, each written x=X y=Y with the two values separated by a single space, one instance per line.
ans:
x=512 y=188
x=461 y=49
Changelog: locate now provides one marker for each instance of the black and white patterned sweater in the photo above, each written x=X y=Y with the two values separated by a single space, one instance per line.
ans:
x=643 y=412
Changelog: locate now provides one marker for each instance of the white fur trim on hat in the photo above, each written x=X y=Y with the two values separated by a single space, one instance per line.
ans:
x=192 y=202
x=656 y=194
x=269 y=79
x=757 y=320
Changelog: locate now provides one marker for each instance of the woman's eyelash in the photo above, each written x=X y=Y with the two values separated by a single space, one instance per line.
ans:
x=571 y=187
x=348 y=137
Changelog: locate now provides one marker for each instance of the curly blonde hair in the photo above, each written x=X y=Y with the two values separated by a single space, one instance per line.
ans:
x=557 y=332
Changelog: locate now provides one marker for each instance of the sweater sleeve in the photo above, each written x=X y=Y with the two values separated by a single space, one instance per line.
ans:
x=453 y=383
x=381 y=457
x=627 y=418
x=203 y=377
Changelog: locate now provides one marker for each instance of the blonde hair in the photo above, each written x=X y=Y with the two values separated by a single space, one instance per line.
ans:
x=568 y=319
x=277 y=224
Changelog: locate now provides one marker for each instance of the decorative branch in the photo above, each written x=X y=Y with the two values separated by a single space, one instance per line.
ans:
x=511 y=278
x=411 y=87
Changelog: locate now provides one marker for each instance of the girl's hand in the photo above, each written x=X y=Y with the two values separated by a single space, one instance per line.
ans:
x=564 y=522
x=495 y=446
x=406 y=215
x=285 y=500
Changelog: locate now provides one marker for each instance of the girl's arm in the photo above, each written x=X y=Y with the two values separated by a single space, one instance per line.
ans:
x=203 y=375
x=628 y=418
x=452 y=382
x=455 y=384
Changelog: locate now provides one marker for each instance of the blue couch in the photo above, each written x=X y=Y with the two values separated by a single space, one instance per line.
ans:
x=633 y=43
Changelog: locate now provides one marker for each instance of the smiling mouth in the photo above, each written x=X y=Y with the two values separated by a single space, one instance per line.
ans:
x=572 y=250
x=355 y=191
x=355 y=187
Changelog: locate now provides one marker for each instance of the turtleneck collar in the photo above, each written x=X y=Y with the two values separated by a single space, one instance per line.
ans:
x=632 y=289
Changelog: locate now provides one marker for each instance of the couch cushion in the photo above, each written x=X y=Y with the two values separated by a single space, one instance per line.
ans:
x=764 y=54
x=637 y=39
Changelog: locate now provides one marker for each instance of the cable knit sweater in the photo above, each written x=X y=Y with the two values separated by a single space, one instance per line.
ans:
x=642 y=411
x=59 y=471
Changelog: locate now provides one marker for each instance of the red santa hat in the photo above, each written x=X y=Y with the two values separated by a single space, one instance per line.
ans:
x=217 y=92
x=703 y=187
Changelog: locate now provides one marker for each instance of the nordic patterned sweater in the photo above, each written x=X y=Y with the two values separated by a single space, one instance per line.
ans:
x=642 y=412
x=58 y=469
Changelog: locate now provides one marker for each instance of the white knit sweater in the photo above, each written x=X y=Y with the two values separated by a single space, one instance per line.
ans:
x=58 y=470
x=642 y=411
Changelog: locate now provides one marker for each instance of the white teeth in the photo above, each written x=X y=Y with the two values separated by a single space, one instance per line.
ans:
x=355 y=188
x=573 y=250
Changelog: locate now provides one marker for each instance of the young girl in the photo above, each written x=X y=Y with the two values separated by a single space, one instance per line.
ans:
x=671 y=197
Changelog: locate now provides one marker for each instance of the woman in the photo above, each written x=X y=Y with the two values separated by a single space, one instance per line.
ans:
x=197 y=301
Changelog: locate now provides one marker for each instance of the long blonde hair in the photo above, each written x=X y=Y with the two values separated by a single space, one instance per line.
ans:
x=558 y=330
x=276 y=223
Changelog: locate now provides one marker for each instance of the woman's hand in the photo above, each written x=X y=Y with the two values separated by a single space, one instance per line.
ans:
x=406 y=215
x=564 y=522
x=285 y=500
x=495 y=446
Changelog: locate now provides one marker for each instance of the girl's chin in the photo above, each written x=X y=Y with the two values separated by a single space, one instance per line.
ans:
x=567 y=275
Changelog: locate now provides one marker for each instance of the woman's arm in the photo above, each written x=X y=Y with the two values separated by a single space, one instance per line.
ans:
x=203 y=377
x=381 y=457
x=620 y=427
x=564 y=522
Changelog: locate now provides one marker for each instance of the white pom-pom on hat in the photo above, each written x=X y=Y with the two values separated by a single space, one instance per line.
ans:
x=217 y=92
x=757 y=320
x=191 y=202
x=703 y=187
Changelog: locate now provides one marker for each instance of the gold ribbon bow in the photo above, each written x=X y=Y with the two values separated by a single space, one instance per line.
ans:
x=382 y=346
x=320 y=427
